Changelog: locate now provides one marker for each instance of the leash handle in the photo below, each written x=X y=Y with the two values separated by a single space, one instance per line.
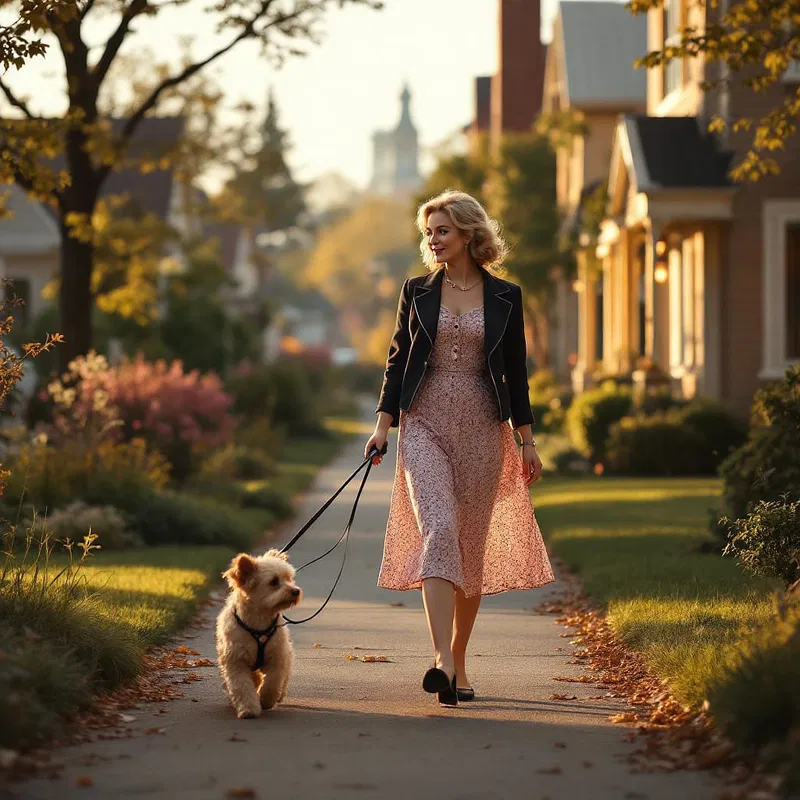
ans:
x=346 y=537
x=324 y=507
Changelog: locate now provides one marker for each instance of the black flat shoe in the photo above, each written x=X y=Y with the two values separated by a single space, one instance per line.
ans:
x=435 y=680
x=465 y=694
x=449 y=696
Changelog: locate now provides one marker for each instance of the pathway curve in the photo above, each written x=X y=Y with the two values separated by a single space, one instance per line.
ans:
x=366 y=730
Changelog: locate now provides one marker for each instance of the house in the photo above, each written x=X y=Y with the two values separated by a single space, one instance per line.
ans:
x=589 y=80
x=29 y=250
x=700 y=276
x=30 y=240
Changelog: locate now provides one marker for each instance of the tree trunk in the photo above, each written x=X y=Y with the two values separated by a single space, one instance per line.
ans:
x=75 y=298
x=77 y=257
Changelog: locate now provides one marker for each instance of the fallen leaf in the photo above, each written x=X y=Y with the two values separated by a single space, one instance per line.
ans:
x=577 y=679
x=621 y=719
x=85 y=781
x=236 y=738
x=243 y=792
x=155 y=731
x=397 y=605
x=375 y=660
x=316 y=645
x=560 y=745
x=563 y=697
x=549 y=771
x=183 y=650
x=202 y=662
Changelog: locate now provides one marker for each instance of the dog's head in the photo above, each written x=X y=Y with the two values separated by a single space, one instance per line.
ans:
x=266 y=581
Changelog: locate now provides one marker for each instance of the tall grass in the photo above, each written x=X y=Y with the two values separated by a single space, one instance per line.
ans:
x=57 y=648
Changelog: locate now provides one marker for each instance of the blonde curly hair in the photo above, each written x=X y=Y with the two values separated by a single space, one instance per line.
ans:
x=486 y=245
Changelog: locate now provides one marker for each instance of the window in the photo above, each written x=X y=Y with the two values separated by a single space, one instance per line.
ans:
x=673 y=72
x=793 y=290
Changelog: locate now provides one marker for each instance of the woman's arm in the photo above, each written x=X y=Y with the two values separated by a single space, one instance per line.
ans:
x=389 y=401
x=515 y=356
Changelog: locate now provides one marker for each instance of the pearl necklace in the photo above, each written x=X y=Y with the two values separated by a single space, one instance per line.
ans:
x=462 y=288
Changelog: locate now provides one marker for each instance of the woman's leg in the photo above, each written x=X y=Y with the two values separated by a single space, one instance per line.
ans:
x=466 y=611
x=439 y=599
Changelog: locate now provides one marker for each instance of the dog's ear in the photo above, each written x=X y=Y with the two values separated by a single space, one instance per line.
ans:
x=241 y=570
x=273 y=553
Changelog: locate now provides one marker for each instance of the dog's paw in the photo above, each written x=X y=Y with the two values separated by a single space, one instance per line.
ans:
x=248 y=713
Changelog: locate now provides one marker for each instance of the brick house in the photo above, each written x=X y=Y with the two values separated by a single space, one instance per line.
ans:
x=589 y=76
x=700 y=276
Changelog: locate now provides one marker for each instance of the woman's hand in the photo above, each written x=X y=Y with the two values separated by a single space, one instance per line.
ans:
x=378 y=439
x=531 y=464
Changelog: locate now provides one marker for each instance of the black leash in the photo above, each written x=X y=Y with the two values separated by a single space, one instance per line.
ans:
x=345 y=537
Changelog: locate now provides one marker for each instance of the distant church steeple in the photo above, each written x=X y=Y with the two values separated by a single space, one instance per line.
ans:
x=396 y=154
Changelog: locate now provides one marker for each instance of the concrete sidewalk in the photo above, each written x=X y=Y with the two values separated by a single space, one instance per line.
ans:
x=353 y=729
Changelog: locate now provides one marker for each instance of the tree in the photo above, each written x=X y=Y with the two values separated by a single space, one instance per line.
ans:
x=465 y=173
x=93 y=147
x=521 y=194
x=756 y=42
x=263 y=191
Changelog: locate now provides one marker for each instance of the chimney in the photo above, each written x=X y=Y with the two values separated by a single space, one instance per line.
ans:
x=518 y=85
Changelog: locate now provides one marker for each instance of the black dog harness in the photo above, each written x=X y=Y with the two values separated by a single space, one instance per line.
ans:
x=262 y=638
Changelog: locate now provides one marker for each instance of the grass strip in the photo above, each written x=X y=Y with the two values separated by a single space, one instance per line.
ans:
x=634 y=544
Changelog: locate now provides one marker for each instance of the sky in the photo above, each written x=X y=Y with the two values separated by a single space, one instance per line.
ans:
x=333 y=99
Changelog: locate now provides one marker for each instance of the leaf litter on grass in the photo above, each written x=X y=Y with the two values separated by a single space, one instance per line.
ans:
x=670 y=737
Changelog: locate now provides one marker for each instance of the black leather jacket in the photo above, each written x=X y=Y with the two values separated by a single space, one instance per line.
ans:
x=415 y=332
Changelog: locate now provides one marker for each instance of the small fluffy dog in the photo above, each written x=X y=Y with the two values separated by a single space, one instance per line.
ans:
x=254 y=649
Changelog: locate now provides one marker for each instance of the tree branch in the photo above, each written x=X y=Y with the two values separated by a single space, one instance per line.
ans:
x=114 y=43
x=16 y=101
x=246 y=32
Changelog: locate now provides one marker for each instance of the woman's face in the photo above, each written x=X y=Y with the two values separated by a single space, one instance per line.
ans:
x=445 y=240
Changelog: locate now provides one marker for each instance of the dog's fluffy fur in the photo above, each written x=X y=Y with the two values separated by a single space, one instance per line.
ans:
x=261 y=587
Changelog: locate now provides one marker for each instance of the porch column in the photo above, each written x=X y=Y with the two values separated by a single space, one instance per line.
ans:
x=655 y=348
x=587 y=321
x=709 y=273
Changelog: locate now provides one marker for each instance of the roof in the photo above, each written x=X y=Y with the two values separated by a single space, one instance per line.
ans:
x=31 y=229
x=601 y=42
x=674 y=152
x=149 y=192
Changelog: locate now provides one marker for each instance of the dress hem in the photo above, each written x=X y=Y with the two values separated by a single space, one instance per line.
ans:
x=501 y=590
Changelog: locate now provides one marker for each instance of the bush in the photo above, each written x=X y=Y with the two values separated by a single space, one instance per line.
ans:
x=756 y=701
x=170 y=517
x=767 y=466
x=657 y=445
x=258 y=495
x=592 y=414
x=284 y=392
x=174 y=411
x=653 y=402
x=767 y=541
x=720 y=430
x=50 y=477
x=111 y=526
x=237 y=463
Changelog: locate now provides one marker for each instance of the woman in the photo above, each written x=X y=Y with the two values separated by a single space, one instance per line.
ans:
x=461 y=523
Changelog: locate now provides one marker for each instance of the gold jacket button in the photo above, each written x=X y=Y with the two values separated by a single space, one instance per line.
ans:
x=504 y=378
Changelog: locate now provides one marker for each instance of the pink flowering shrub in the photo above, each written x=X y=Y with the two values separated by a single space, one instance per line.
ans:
x=176 y=411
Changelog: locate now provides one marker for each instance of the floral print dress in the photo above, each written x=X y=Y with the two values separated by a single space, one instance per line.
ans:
x=460 y=509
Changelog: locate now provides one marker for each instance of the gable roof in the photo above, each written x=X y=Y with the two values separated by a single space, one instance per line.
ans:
x=674 y=152
x=601 y=40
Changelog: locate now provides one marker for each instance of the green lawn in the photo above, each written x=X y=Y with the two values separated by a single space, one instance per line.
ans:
x=634 y=545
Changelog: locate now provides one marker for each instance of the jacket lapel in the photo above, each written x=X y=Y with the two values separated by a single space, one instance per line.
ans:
x=496 y=310
x=427 y=303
